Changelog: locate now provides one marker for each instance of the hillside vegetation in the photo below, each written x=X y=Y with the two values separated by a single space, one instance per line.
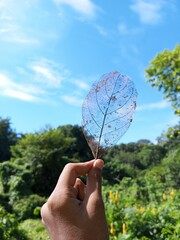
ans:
x=140 y=182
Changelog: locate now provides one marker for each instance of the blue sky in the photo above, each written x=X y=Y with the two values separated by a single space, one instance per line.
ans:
x=51 y=51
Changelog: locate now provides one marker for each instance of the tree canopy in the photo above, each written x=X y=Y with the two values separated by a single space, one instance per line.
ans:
x=164 y=73
x=8 y=137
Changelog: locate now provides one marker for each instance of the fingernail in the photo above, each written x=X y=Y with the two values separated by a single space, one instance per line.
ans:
x=99 y=163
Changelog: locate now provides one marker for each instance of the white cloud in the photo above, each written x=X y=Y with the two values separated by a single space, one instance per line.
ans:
x=20 y=95
x=45 y=81
x=19 y=91
x=47 y=72
x=81 y=84
x=17 y=37
x=13 y=19
x=85 y=7
x=72 y=100
x=149 y=11
x=123 y=29
x=152 y=106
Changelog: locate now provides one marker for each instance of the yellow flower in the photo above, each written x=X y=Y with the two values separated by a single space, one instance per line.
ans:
x=124 y=230
x=112 y=229
x=164 y=197
x=142 y=209
x=172 y=193
x=111 y=196
x=154 y=212
x=117 y=196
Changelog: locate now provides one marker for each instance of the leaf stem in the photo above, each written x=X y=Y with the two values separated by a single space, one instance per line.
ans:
x=105 y=114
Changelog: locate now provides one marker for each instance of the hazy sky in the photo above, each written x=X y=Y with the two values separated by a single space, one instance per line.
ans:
x=51 y=51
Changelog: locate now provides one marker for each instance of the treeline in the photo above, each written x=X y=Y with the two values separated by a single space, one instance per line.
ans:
x=30 y=165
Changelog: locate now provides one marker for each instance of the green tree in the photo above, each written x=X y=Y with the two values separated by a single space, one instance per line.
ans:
x=150 y=155
x=164 y=73
x=172 y=165
x=127 y=160
x=15 y=178
x=79 y=148
x=7 y=138
x=170 y=139
x=44 y=154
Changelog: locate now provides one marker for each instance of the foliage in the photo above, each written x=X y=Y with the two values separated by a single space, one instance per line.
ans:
x=9 y=227
x=79 y=148
x=7 y=138
x=28 y=207
x=164 y=73
x=15 y=178
x=127 y=160
x=4 y=198
x=44 y=154
x=174 y=133
x=34 y=229
x=141 y=184
x=171 y=138
x=131 y=218
x=172 y=165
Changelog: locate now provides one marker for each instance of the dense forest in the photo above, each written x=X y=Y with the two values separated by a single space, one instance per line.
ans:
x=140 y=179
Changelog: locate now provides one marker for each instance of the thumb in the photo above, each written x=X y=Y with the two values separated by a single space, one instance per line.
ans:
x=93 y=196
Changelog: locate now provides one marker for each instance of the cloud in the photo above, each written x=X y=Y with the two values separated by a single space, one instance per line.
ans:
x=20 y=95
x=12 y=28
x=152 y=106
x=47 y=72
x=84 y=7
x=81 y=84
x=44 y=81
x=149 y=11
x=13 y=36
x=72 y=100
x=123 y=29
x=23 y=92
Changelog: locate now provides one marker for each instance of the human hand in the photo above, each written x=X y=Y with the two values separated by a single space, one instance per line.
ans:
x=75 y=211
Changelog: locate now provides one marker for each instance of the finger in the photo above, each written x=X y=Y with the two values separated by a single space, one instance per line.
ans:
x=80 y=188
x=70 y=173
x=66 y=182
x=94 y=183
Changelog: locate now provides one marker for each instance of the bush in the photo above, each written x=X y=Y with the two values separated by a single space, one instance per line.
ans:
x=15 y=178
x=133 y=219
x=28 y=207
x=34 y=229
x=9 y=227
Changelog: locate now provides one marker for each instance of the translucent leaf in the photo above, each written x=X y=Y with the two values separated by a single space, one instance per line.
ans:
x=107 y=111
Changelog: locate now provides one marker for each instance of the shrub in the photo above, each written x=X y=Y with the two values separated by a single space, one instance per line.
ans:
x=132 y=218
x=34 y=229
x=27 y=207
x=9 y=227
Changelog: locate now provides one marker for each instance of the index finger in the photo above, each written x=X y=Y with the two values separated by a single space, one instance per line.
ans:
x=71 y=171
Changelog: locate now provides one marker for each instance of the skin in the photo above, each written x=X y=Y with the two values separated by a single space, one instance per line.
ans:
x=75 y=210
